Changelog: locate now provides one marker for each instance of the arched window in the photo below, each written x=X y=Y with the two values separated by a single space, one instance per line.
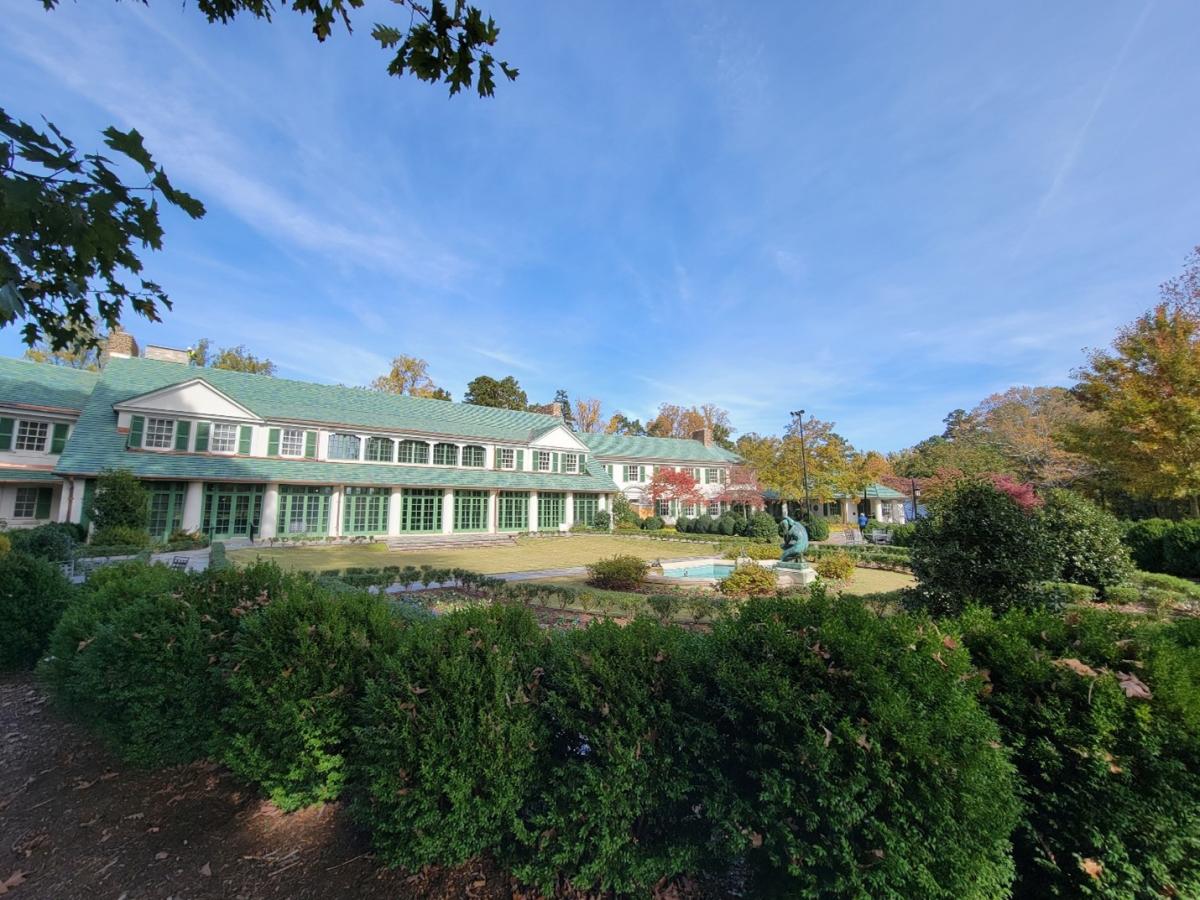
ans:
x=344 y=446
x=379 y=449
x=413 y=452
x=445 y=454
x=473 y=456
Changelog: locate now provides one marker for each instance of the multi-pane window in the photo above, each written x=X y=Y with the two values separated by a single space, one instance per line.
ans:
x=714 y=507
x=552 y=508
x=662 y=507
x=31 y=435
x=159 y=433
x=344 y=446
x=445 y=455
x=26 y=505
x=586 y=507
x=473 y=456
x=413 y=452
x=365 y=510
x=303 y=509
x=470 y=510
x=712 y=476
x=166 y=508
x=690 y=510
x=379 y=449
x=631 y=473
x=224 y=438
x=506 y=458
x=541 y=460
x=421 y=509
x=291 y=442
x=513 y=514
x=570 y=463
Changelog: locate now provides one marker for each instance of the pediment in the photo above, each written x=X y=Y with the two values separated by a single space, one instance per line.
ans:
x=559 y=437
x=195 y=397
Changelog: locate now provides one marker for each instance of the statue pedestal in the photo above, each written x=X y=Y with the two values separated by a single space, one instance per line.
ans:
x=794 y=574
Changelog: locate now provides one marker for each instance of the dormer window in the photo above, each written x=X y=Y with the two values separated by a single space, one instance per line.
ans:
x=414 y=452
x=224 y=438
x=541 y=460
x=570 y=463
x=344 y=446
x=506 y=458
x=291 y=442
x=472 y=456
x=160 y=433
x=31 y=436
x=445 y=455
x=379 y=449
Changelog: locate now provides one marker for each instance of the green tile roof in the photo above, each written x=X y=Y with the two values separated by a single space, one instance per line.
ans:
x=12 y=474
x=623 y=446
x=44 y=384
x=874 y=492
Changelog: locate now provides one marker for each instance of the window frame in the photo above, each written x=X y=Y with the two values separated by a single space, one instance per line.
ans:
x=414 y=445
x=376 y=441
x=440 y=449
x=233 y=438
x=632 y=472
x=569 y=463
x=285 y=437
x=342 y=437
x=506 y=458
x=31 y=424
x=31 y=492
x=159 y=428
x=473 y=449
x=540 y=456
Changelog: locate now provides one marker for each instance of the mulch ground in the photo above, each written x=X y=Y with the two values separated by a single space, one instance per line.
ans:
x=74 y=822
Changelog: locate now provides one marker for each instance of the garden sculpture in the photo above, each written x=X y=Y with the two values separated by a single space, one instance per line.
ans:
x=795 y=539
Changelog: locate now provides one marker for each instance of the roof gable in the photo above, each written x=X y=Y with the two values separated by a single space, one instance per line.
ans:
x=194 y=397
x=558 y=437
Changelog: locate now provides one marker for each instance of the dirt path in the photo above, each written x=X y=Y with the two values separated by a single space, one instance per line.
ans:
x=76 y=823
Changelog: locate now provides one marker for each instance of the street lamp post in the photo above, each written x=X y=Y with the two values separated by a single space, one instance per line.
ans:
x=913 y=486
x=803 y=462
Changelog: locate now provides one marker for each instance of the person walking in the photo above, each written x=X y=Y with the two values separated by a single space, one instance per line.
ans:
x=862 y=524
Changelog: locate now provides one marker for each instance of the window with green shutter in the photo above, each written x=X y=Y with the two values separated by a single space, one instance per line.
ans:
x=43 y=503
x=59 y=442
x=520 y=460
x=136 y=425
x=202 y=437
x=183 y=431
x=310 y=445
x=244 y=440
x=273 y=442
x=6 y=434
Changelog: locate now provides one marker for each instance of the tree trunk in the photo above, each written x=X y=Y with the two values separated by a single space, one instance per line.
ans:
x=1195 y=506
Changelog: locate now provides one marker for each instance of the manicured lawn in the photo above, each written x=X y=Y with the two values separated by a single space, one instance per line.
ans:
x=865 y=581
x=529 y=554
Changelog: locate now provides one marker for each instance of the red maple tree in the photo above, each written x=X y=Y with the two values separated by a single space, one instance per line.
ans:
x=669 y=484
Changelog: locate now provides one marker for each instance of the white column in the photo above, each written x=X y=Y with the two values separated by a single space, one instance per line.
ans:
x=877 y=510
x=848 y=516
x=898 y=512
x=570 y=510
x=335 y=511
x=533 y=510
x=493 y=518
x=193 y=506
x=448 y=510
x=69 y=487
x=270 y=512
x=394 y=512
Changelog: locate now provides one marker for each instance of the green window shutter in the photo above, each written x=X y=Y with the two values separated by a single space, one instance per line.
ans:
x=89 y=493
x=183 y=431
x=59 y=441
x=310 y=445
x=244 y=439
x=641 y=473
x=202 y=437
x=6 y=434
x=706 y=476
x=136 y=424
x=273 y=442
x=495 y=457
x=520 y=459
x=554 y=462
x=43 y=503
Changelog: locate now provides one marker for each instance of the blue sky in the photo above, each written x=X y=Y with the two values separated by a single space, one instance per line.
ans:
x=878 y=212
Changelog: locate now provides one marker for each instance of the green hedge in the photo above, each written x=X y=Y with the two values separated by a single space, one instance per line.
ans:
x=1160 y=545
x=33 y=595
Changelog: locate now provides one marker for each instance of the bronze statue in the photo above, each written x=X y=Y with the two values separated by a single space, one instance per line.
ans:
x=795 y=539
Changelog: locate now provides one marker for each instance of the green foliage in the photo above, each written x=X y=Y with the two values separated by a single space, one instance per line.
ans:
x=119 y=536
x=762 y=527
x=652 y=523
x=704 y=524
x=619 y=805
x=1102 y=713
x=5 y=545
x=683 y=524
x=624 y=512
x=1085 y=540
x=750 y=580
x=1181 y=549
x=601 y=521
x=70 y=233
x=817 y=527
x=978 y=545
x=837 y=566
x=296 y=671
x=33 y=594
x=1145 y=542
x=503 y=394
x=452 y=743
x=725 y=525
x=1057 y=594
x=217 y=559
x=753 y=551
x=120 y=501
x=854 y=759
x=52 y=541
x=618 y=573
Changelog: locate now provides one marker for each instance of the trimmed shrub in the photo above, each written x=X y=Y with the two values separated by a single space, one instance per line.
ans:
x=855 y=761
x=1057 y=594
x=33 y=595
x=120 y=500
x=618 y=573
x=1085 y=539
x=754 y=551
x=601 y=521
x=217 y=560
x=750 y=580
x=835 y=566
x=902 y=535
x=296 y=671
x=119 y=536
x=1145 y=542
x=53 y=541
x=817 y=527
x=725 y=525
x=683 y=524
x=762 y=527
x=1122 y=594
x=978 y=544
x=704 y=524
x=452 y=744
x=1102 y=713
x=619 y=805
x=1187 y=589
x=1181 y=549
x=653 y=523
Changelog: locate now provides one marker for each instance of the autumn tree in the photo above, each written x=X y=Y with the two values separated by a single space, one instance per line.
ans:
x=1145 y=396
x=74 y=225
x=409 y=376
x=743 y=488
x=1029 y=426
x=78 y=356
x=683 y=422
x=503 y=394
x=588 y=416
x=621 y=424
x=234 y=359
x=672 y=485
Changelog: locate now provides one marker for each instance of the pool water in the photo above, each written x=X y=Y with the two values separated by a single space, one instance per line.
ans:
x=707 y=570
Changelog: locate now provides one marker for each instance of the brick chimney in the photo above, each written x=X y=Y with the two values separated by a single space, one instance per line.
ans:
x=167 y=354
x=118 y=343
x=548 y=409
x=704 y=436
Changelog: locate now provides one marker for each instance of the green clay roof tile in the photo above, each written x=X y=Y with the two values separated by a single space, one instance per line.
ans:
x=26 y=383
x=623 y=446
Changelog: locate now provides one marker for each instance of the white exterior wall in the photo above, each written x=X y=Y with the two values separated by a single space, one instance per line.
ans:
x=8 y=502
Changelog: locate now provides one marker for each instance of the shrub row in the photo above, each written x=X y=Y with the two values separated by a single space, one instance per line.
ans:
x=759 y=527
x=1160 y=545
